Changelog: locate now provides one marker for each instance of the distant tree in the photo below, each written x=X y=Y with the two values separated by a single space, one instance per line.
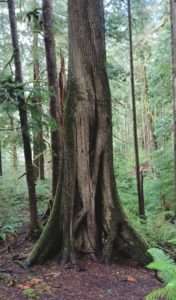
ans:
x=1 y=172
x=14 y=146
x=87 y=215
x=135 y=132
x=34 y=227
x=38 y=142
x=173 y=38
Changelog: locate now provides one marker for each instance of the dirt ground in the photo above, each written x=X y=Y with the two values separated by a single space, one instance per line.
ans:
x=89 y=281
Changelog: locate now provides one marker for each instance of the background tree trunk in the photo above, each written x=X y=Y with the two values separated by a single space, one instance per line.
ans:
x=1 y=172
x=136 y=147
x=38 y=143
x=24 y=121
x=14 y=147
x=151 y=139
x=53 y=88
x=87 y=216
x=173 y=38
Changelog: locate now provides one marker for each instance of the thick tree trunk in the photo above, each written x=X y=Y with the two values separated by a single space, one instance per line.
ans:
x=87 y=216
x=24 y=121
x=53 y=89
x=173 y=39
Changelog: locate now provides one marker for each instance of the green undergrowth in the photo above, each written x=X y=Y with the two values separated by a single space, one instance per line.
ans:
x=166 y=269
x=159 y=227
x=157 y=230
x=14 y=202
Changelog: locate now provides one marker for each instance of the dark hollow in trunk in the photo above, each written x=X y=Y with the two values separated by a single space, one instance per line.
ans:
x=87 y=216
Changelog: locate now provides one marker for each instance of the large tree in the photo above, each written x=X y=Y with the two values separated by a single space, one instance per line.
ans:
x=87 y=215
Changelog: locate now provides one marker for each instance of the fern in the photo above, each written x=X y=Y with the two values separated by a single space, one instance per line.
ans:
x=172 y=241
x=168 y=292
x=167 y=270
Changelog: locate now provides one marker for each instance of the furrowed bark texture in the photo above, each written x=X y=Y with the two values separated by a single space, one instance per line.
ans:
x=87 y=216
x=24 y=121
x=53 y=87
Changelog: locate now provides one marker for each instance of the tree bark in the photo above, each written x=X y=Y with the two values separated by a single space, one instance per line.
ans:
x=24 y=121
x=87 y=216
x=1 y=172
x=135 y=132
x=149 y=130
x=53 y=89
x=42 y=159
x=38 y=143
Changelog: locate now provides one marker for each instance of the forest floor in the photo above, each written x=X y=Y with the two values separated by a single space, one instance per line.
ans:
x=89 y=281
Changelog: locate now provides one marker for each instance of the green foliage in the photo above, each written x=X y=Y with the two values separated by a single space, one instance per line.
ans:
x=14 y=202
x=31 y=294
x=9 y=90
x=156 y=229
x=168 y=292
x=12 y=206
x=167 y=271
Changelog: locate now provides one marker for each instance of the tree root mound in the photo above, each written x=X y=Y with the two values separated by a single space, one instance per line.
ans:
x=87 y=280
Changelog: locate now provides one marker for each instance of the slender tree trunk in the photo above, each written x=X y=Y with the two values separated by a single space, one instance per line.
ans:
x=1 y=172
x=136 y=147
x=143 y=139
x=15 y=158
x=42 y=159
x=38 y=143
x=53 y=88
x=173 y=38
x=151 y=137
x=24 y=121
x=14 y=147
x=142 y=190
x=87 y=216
